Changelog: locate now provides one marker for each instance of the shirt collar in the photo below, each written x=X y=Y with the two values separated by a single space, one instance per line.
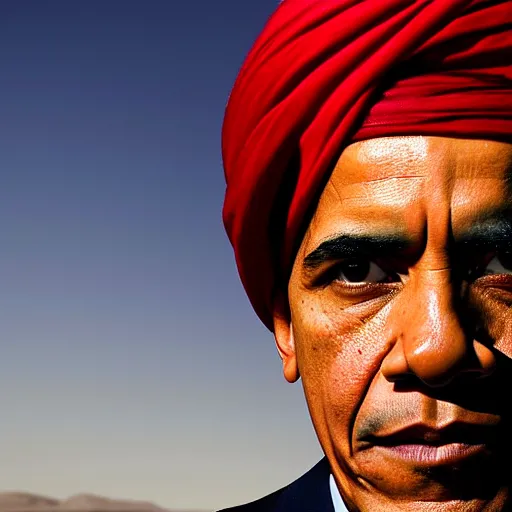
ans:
x=339 y=506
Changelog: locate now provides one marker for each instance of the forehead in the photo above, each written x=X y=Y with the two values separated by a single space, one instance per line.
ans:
x=400 y=183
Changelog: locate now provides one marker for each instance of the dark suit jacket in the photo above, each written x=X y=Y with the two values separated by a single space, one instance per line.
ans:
x=310 y=493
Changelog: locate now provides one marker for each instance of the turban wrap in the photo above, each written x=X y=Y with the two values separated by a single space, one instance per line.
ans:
x=326 y=73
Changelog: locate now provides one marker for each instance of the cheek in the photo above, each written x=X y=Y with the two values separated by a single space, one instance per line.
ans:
x=495 y=318
x=339 y=353
x=502 y=323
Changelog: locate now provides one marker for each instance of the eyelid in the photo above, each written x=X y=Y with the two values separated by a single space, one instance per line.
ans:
x=480 y=263
x=325 y=276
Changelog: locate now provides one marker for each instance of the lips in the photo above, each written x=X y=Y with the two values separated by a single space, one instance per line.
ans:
x=467 y=433
x=422 y=444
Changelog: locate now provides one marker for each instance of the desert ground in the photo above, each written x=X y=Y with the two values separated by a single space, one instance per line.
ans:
x=27 y=502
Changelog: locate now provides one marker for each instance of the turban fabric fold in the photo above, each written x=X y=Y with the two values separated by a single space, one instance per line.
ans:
x=325 y=73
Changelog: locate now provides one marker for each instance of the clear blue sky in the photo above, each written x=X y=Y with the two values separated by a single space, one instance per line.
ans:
x=132 y=364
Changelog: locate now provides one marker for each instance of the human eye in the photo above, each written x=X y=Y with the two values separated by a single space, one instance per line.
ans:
x=501 y=263
x=361 y=272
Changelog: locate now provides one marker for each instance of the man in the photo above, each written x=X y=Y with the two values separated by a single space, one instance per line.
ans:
x=368 y=155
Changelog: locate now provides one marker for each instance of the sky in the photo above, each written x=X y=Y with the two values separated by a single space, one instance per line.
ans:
x=132 y=364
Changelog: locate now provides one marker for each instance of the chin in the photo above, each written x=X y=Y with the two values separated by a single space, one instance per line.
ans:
x=379 y=481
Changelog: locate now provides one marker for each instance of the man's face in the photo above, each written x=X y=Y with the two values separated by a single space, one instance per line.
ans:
x=399 y=323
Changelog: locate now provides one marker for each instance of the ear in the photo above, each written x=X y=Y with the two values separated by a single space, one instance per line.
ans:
x=283 y=334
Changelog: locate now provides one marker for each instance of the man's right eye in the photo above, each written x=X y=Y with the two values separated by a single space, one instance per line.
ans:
x=361 y=272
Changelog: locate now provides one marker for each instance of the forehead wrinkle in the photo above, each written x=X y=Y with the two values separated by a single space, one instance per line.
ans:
x=480 y=181
x=468 y=197
x=474 y=159
x=480 y=169
x=385 y=157
x=384 y=179
x=332 y=186
x=385 y=171
x=378 y=199
x=357 y=208
x=491 y=160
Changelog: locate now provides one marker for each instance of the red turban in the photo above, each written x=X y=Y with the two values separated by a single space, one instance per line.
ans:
x=325 y=73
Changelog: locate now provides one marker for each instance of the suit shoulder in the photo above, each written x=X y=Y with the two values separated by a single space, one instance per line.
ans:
x=261 y=505
x=309 y=493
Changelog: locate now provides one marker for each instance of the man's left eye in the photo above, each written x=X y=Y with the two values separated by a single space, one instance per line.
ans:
x=361 y=272
x=500 y=264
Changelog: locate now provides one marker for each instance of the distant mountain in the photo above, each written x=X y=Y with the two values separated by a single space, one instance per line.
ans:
x=88 y=502
x=26 y=502
x=23 y=500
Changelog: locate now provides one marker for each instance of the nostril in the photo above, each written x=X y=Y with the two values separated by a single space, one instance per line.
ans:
x=400 y=378
x=438 y=381
x=394 y=366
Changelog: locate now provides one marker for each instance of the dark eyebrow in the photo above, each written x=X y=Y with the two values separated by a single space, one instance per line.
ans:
x=349 y=246
x=489 y=232
x=493 y=232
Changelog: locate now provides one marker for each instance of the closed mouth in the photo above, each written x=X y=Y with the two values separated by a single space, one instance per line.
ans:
x=426 y=445
x=437 y=455
x=466 y=433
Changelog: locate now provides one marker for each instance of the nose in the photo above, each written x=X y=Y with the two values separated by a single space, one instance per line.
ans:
x=430 y=336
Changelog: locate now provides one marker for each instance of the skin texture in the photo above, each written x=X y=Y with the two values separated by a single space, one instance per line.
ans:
x=413 y=334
